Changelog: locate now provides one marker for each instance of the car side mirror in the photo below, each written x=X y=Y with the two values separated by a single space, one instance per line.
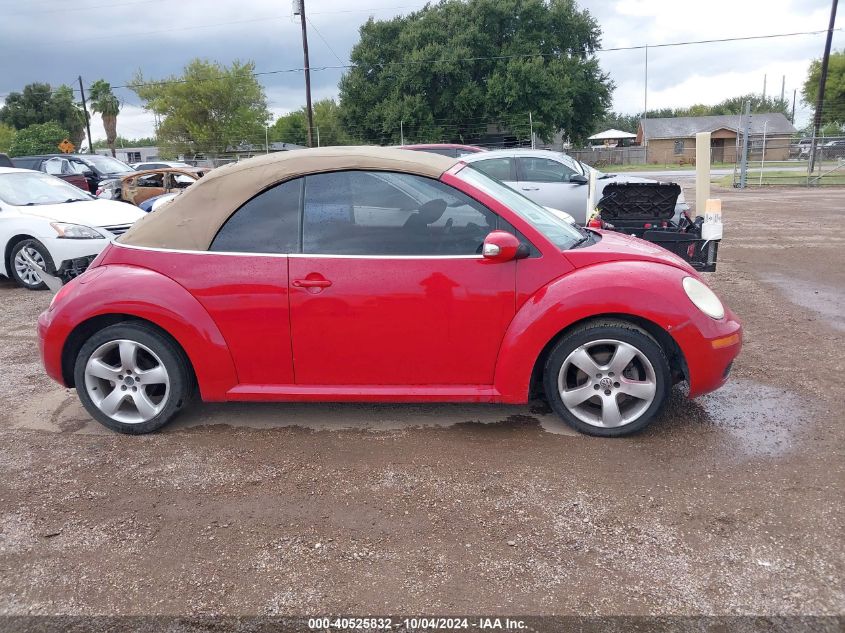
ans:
x=88 y=173
x=500 y=246
x=578 y=179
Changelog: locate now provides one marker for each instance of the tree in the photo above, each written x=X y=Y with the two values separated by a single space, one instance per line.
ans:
x=293 y=127
x=833 y=111
x=449 y=70
x=122 y=141
x=39 y=138
x=39 y=103
x=208 y=109
x=7 y=135
x=290 y=128
x=104 y=102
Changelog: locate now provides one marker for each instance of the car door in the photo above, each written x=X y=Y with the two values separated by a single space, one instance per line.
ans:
x=547 y=181
x=140 y=188
x=391 y=288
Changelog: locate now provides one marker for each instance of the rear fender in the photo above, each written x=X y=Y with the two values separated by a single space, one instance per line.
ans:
x=643 y=290
x=126 y=290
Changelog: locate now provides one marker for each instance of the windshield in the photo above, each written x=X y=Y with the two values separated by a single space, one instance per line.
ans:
x=27 y=189
x=106 y=164
x=560 y=233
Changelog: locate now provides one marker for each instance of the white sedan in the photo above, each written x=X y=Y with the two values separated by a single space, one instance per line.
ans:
x=552 y=179
x=59 y=227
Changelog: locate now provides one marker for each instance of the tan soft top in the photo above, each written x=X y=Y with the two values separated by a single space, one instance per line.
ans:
x=191 y=220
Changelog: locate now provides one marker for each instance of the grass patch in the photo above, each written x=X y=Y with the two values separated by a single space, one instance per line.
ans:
x=792 y=178
x=676 y=167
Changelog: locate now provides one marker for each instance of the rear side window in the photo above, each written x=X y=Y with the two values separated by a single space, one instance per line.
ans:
x=498 y=168
x=26 y=163
x=268 y=223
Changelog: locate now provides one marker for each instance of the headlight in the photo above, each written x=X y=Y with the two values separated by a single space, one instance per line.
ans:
x=703 y=298
x=76 y=231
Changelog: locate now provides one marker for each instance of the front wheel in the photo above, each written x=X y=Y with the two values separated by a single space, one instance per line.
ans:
x=22 y=270
x=607 y=378
x=132 y=378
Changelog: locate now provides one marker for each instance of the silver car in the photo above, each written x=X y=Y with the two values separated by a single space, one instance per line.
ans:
x=551 y=179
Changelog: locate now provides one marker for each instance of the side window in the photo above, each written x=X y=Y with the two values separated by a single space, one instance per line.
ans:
x=151 y=180
x=386 y=213
x=180 y=181
x=268 y=223
x=679 y=147
x=56 y=166
x=533 y=169
x=498 y=168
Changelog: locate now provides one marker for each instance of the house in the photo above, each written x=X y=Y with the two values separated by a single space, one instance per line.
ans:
x=132 y=154
x=672 y=140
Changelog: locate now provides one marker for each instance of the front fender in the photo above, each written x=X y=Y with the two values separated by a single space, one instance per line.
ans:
x=640 y=289
x=126 y=290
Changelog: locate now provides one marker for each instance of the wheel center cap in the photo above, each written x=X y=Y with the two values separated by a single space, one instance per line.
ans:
x=129 y=380
x=606 y=383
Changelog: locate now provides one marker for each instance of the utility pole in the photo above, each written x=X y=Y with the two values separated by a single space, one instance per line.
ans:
x=300 y=10
x=764 y=88
x=645 y=95
x=794 y=96
x=87 y=118
x=531 y=128
x=817 y=119
x=401 y=132
x=782 y=88
x=743 y=170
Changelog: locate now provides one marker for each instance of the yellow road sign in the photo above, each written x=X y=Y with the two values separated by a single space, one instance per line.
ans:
x=66 y=146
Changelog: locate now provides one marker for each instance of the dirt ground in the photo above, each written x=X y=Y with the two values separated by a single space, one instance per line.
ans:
x=730 y=504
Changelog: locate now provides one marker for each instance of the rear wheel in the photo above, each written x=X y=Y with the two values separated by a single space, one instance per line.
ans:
x=22 y=271
x=607 y=378
x=132 y=378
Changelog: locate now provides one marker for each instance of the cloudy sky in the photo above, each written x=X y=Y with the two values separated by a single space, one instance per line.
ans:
x=55 y=41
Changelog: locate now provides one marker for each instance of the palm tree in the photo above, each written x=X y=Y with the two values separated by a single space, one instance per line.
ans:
x=104 y=102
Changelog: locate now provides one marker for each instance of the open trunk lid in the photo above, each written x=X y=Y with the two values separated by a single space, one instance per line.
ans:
x=639 y=201
x=647 y=210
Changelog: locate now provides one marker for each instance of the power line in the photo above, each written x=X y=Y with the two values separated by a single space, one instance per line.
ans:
x=325 y=41
x=347 y=66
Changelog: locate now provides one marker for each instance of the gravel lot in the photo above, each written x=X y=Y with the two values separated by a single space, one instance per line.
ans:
x=731 y=504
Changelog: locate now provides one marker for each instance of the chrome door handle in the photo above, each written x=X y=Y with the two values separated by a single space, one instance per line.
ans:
x=531 y=188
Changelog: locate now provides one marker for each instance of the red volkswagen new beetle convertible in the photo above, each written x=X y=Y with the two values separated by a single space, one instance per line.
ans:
x=374 y=274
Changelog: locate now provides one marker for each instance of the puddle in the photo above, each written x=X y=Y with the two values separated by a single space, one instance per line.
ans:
x=828 y=301
x=320 y=416
x=753 y=419
x=60 y=411
x=760 y=419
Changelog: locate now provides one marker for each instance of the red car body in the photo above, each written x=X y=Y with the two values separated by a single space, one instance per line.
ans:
x=277 y=327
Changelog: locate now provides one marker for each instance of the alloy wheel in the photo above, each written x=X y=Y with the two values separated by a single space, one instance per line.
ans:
x=607 y=383
x=127 y=381
x=24 y=269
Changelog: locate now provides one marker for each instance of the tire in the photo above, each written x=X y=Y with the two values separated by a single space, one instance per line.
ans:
x=19 y=270
x=142 y=372
x=639 y=389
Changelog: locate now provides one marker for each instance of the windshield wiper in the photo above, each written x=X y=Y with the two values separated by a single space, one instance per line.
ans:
x=73 y=200
x=580 y=241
